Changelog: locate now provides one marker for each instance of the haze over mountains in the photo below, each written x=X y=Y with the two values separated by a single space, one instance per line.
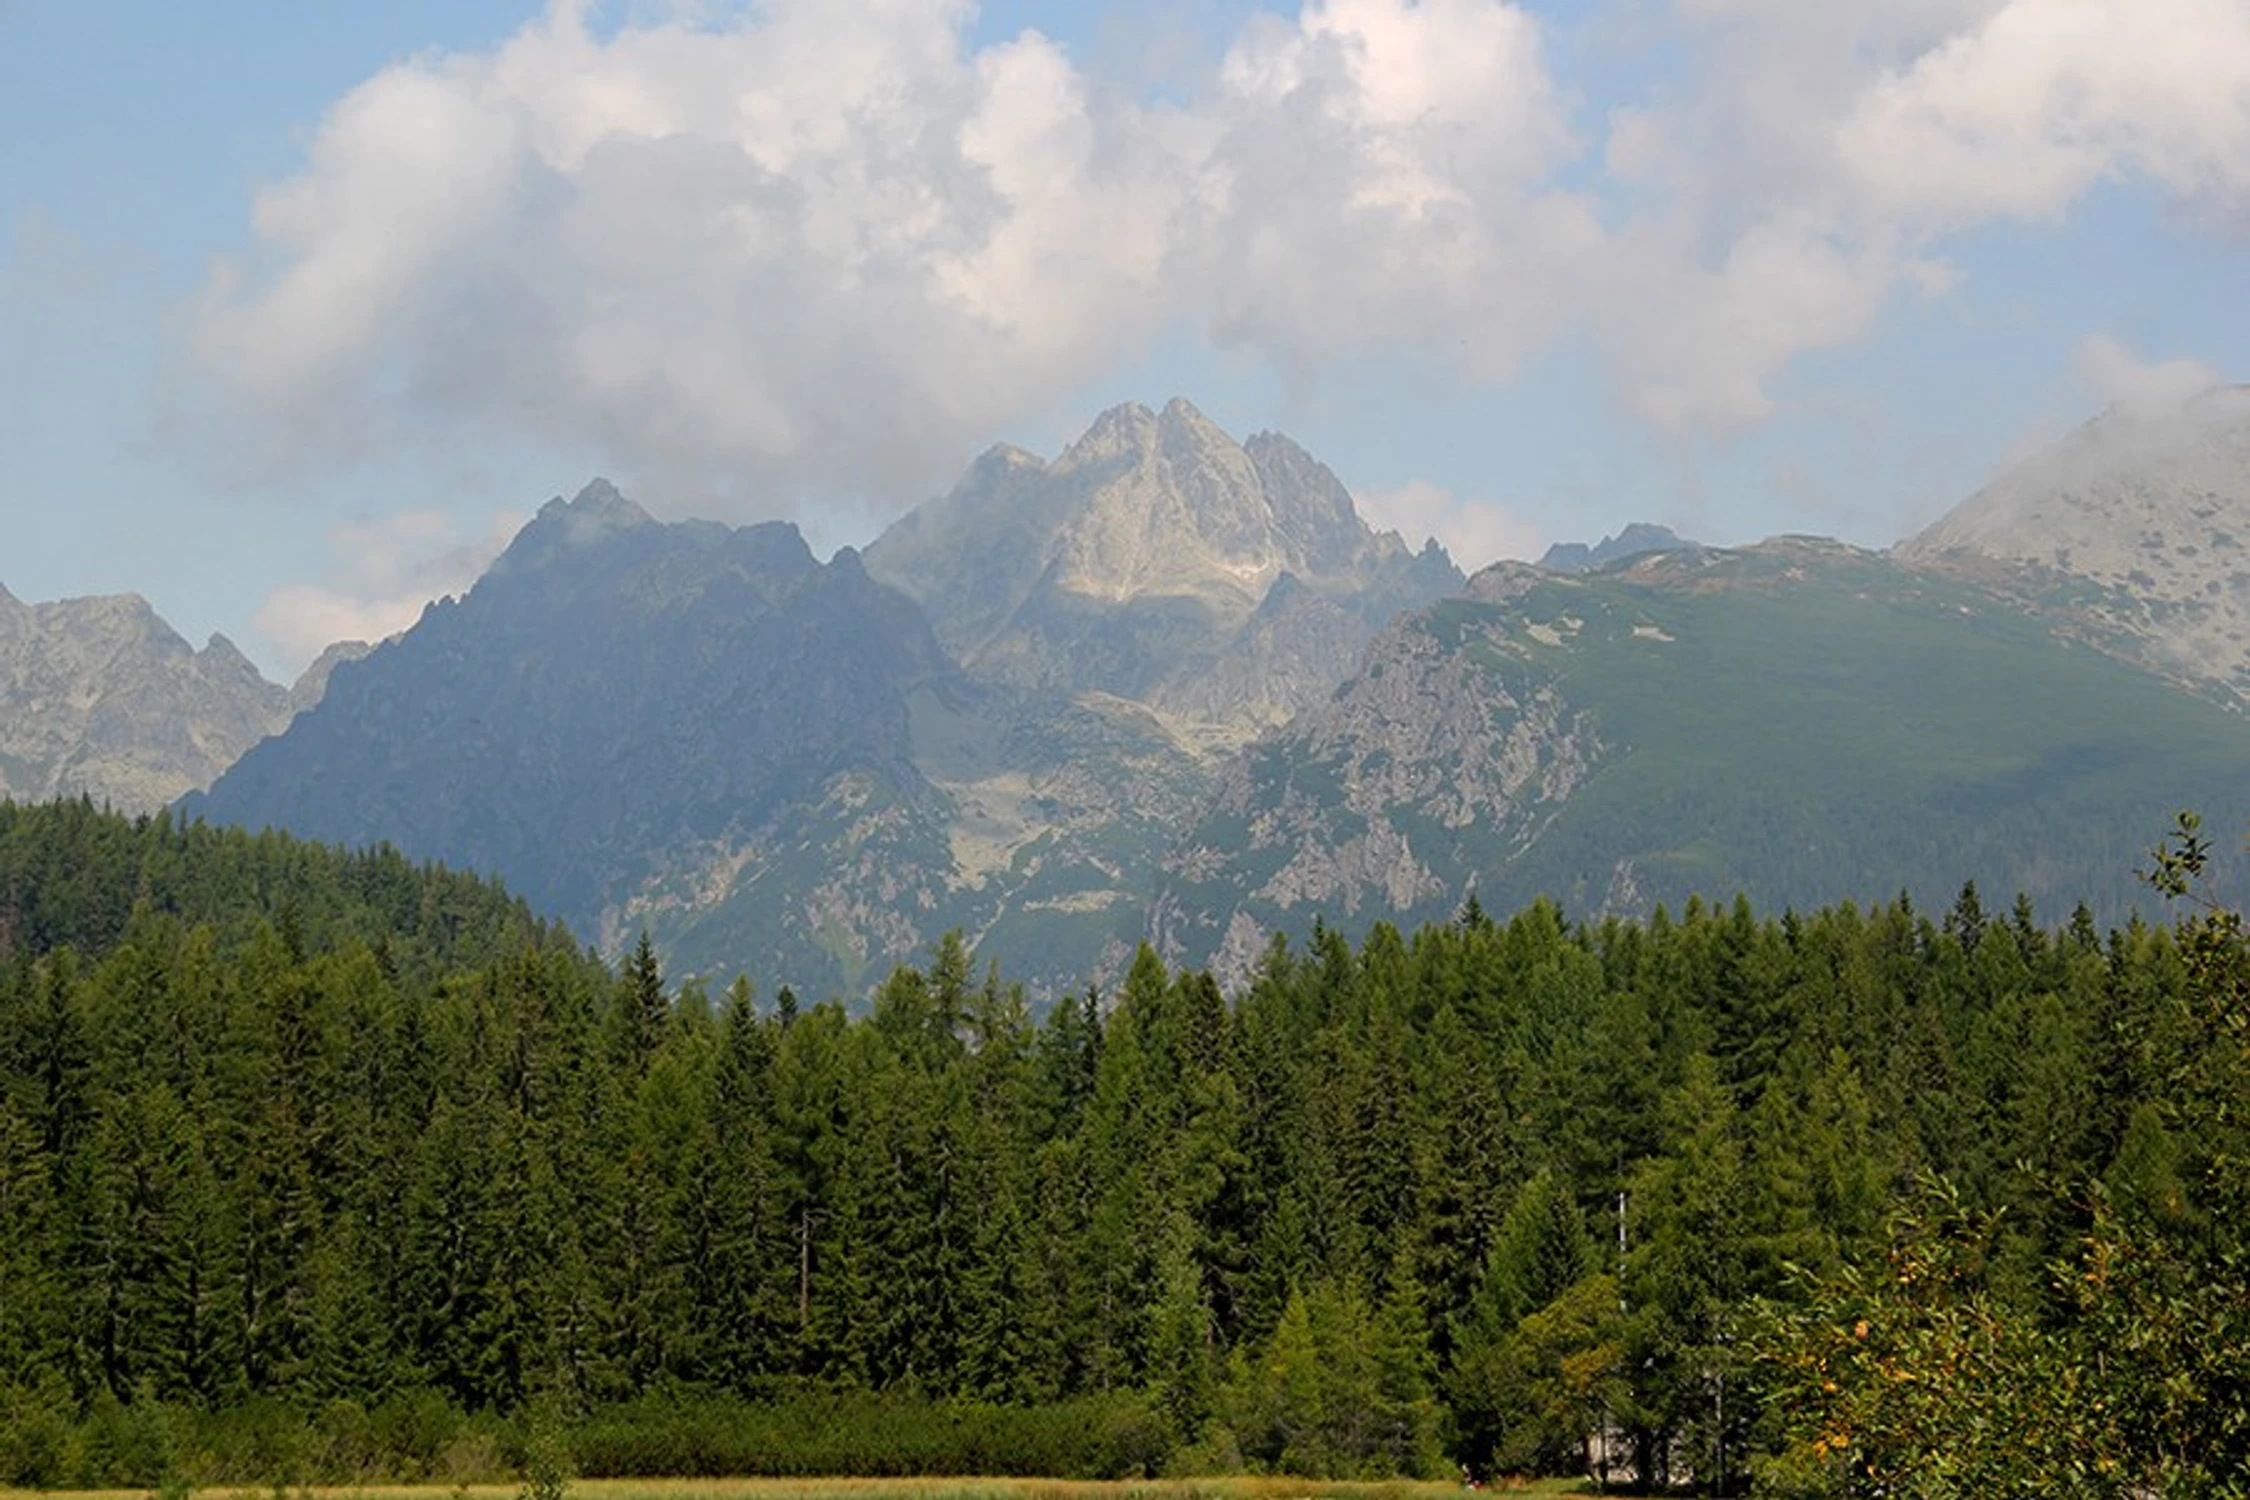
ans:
x=1169 y=685
x=2132 y=530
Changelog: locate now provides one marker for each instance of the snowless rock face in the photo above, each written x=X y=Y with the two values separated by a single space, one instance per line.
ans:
x=2137 y=525
x=1224 y=585
x=100 y=698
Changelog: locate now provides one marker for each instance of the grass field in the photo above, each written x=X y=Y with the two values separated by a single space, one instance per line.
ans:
x=880 y=1489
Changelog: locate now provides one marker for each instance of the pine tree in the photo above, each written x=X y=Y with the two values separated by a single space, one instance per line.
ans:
x=645 y=1015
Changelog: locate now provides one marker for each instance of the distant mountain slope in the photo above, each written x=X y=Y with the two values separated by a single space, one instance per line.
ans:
x=614 y=700
x=1639 y=537
x=99 y=697
x=1222 y=585
x=1171 y=685
x=2134 y=530
x=1799 y=721
x=812 y=772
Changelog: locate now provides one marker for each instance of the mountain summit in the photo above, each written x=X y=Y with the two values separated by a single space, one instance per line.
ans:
x=2136 y=526
x=100 y=697
x=614 y=697
x=1170 y=685
x=1635 y=539
x=1152 y=553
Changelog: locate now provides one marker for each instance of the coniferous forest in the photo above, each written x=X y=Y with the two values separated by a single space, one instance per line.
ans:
x=328 y=1166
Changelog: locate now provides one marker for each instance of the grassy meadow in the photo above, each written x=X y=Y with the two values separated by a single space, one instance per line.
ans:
x=1232 y=1488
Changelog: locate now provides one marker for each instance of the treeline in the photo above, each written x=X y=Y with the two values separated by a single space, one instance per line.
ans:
x=73 y=876
x=280 y=1191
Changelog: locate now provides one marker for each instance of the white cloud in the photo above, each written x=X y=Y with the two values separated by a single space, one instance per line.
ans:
x=806 y=247
x=1475 y=532
x=2022 y=114
x=383 y=573
x=1819 y=156
x=753 y=256
x=2115 y=374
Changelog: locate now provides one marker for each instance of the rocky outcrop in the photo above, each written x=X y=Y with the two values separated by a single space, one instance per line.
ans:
x=100 y=698
x=1639 y=537
x=1156 y=560
x=1374 y=803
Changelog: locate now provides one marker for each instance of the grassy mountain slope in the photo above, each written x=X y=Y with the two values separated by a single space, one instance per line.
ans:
x=1799 y=721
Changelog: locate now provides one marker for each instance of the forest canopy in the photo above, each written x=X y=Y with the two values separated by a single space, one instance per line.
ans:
x=325 y=1165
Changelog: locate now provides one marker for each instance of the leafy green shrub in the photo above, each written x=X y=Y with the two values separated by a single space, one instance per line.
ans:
x=35 y=1441
x=121 y=1444
x=413 y=1430
x=546 y=1455
x=261 y=1442
x=877 y=1435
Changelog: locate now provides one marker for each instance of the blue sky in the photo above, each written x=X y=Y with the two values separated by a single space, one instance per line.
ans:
x=302 y=308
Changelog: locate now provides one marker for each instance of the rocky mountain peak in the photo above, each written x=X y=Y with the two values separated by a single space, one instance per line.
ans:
x=1147 y=564
x=2150 y=504
x=597 y=513
x=1186 y=435
x=1637 y=538
x=2133 y=464
x=100 y=696
x=1310 y=504
x=312 y=683
x=1168 y=503
x=598 y=498
x=1128 y=429
x=1002 y=462
x=220 y=654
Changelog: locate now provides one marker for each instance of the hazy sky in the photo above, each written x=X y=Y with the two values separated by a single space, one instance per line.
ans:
x=303 y=307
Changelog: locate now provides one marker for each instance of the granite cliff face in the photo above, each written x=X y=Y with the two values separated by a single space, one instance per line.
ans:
x=633 y=721
x=100 y=698
x=2133 y=531
x=1223 y=586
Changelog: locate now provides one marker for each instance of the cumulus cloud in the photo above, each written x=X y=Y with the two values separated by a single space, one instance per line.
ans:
x=754 y=256
x=1475 y=532
x=796 y=248
x=1813 y=167
x=2118 y=376
x=2025 y=112
x=384 y=572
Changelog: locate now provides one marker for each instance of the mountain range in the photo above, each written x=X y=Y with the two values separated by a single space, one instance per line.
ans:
x=1168 y=685
x=996 y=720
x=100 y=698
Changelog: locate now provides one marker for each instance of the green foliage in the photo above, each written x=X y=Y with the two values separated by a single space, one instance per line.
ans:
x=547 y=1462
x=1341 y=1388
x=287 y=1201
x=1093 y=1437
x=1935 y=1371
